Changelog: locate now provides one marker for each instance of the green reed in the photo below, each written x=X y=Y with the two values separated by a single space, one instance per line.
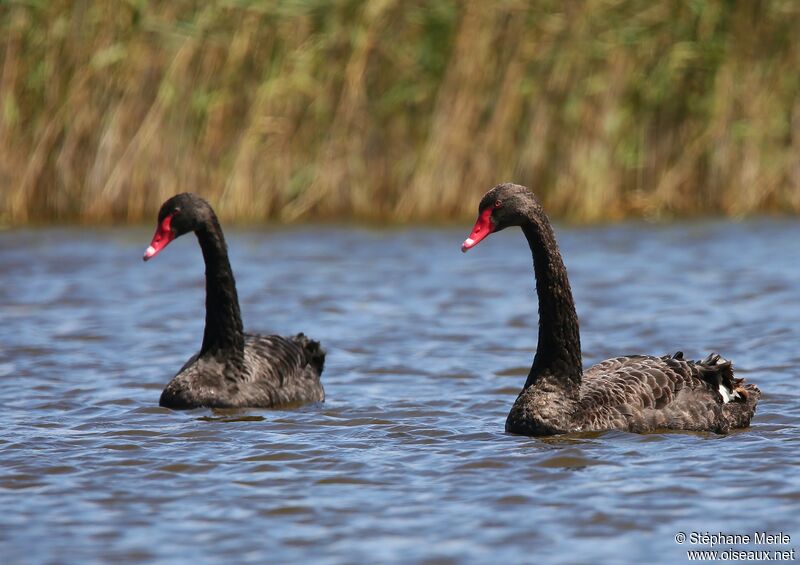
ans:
x=400 y=110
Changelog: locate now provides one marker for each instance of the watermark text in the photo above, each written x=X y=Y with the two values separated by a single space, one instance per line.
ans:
x=721 y=546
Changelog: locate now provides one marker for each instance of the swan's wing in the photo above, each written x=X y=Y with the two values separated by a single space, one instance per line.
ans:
x=287 y=369
x=639 y=380
x=644 y=392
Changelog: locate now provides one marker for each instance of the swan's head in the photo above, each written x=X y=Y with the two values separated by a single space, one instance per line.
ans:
x=503 y=206
x=179 y=215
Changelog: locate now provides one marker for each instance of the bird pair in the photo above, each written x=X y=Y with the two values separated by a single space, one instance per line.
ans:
x=636 y=393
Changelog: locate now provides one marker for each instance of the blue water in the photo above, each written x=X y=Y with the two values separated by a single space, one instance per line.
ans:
x=407 y=460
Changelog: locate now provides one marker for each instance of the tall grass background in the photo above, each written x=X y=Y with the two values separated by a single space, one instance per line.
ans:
x=398 y=110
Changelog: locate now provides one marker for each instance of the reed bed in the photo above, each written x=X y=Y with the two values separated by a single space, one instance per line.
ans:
x=398 y=110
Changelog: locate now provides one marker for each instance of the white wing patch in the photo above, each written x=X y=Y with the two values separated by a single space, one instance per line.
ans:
x=727 y=395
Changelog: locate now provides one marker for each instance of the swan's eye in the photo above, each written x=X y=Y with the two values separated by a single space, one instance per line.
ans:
x=498 y=203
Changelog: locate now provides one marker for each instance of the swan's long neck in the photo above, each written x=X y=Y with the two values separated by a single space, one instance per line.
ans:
x=558 y=355
x=224 y=330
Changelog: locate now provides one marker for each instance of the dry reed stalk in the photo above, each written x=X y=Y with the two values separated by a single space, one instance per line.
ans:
x=400 y=111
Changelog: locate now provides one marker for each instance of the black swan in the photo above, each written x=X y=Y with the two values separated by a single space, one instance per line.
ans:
x=232 y=369
x=638 y=393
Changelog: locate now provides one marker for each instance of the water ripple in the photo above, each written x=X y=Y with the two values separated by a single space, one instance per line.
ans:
x=407 y=459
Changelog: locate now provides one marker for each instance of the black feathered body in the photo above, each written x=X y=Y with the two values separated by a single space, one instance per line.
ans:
x=639 y=393
x=275 y=371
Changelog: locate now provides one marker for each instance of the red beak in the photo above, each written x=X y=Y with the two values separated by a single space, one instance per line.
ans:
x=161 y=239
x=483 y=227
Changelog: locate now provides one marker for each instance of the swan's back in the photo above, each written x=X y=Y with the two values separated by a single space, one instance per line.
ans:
x=643 y=393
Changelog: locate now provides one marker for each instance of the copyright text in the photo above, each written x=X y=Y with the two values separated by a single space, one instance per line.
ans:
x=714 y=546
